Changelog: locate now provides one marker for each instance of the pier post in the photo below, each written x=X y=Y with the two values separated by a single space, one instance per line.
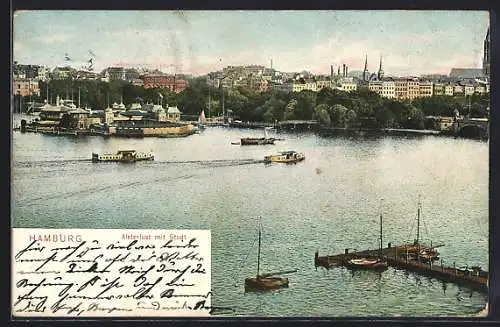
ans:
x=442 y=265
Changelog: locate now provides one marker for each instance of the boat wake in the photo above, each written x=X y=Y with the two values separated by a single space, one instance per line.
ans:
x=93 y=190
x=219 y=162
x=213 y=163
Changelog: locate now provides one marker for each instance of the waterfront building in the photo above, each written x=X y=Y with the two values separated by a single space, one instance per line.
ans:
x=298 y=87
x=425 y=89
x=449 y=89
x=388 y=88
x=438 y=89
x=25 y=87
x=375 y=86
x=131 y=74
x=109 y=116
x=86 y=75
x=137 y=82
x=445 y=123
x=43 y=73
x=401 y=88
x=458 y=89
x=413 y=88
x=63 y=72
x=468 y=87
x=173 y=114
x=116 y=73
x=322 y=84
x=286 y=87
x=135 y=106
x=161 y=115
x=480 y=88
x=310 y=85
x=346 y=84
x=79 y=119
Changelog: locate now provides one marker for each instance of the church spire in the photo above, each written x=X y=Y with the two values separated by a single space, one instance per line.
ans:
x=380 y=70
x=365 y=71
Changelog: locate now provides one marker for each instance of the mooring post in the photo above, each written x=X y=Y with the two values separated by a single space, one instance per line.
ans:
x=442 y=265
x=454 y=267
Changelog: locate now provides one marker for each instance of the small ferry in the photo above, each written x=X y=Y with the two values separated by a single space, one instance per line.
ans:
x=285 y=157
x=122 y=156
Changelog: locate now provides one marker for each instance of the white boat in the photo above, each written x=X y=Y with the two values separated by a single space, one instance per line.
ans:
x=122 y=156
x=285 y=157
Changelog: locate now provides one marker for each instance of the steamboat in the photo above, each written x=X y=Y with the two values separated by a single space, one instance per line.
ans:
x=122 y=156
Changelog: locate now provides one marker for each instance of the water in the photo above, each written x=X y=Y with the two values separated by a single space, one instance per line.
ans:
x=303 y=209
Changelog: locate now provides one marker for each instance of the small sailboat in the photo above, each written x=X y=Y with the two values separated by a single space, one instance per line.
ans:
x=379 y=263
x=201 y=120
x=420 y=251
x=268 y=281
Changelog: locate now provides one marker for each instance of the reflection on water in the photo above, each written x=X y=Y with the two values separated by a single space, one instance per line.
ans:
x=205 y=182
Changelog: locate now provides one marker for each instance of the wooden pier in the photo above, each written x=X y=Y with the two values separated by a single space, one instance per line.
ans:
x=397 y=258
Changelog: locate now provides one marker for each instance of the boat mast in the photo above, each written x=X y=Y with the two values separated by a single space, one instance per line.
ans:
x=258 y=252
x=380 y=248
x=381 y=239
x=418 y=220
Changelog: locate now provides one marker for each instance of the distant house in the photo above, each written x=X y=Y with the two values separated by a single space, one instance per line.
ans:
x=173 y=114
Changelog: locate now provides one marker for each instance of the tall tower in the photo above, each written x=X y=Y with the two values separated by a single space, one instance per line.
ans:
x=486 y=54
x=366 y=74
x=380 y=74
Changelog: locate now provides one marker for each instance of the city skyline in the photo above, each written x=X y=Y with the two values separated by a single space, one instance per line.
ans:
x=198 y=42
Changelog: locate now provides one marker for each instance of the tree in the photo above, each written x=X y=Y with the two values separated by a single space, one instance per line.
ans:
x=351 y=118
x=322 y=115
x=338 y=115
x=289 y=113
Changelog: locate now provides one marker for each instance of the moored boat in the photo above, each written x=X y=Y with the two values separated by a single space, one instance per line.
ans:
x=417 y=250
x=256 y=141
x=285 y=157
x=367 y=263
x=265 y=282
x=378 y=263
x=122 y=156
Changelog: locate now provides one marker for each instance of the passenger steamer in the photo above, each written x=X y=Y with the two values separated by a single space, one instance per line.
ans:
x=285 y=157
x=122 y=156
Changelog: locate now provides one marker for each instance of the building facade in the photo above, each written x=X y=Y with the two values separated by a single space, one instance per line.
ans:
x=172 y=83
x=25 y=87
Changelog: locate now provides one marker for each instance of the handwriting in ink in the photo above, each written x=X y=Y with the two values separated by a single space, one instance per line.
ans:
x=99 y=275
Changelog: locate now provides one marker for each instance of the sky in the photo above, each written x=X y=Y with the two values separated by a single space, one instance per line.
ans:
x=198 y=42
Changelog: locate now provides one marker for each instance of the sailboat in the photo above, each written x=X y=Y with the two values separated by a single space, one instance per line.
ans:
x=418 y=250
x=378 y=263
x=265 y=282
x=201 y=120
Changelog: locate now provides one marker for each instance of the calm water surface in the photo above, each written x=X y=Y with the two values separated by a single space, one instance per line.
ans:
x=329 y=202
